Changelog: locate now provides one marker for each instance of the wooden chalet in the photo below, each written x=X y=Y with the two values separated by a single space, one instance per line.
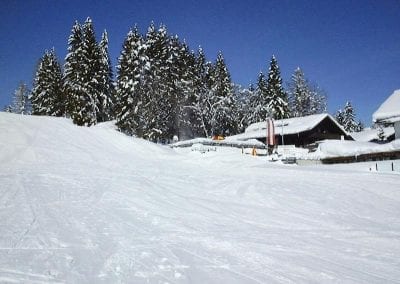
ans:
x=299 y=131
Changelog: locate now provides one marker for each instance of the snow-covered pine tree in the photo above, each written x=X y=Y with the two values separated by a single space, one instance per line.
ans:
x=74 y=78
x=349 y=122
x=155 y=127
x=132 y=105
x=305 y=99
x=107 y=92
x=21 y=104
x=299 y=94
x=246 y=106
x=258 y=109
x=200 y=105
x=339 y=116
x=223 y=121
x=242 y=99
x=92 y=76
x=317 y=100
x=347 y=119
x=47 y=94
x=277 y=101
x=175 y=89
x=83 y=78
x=184 y=66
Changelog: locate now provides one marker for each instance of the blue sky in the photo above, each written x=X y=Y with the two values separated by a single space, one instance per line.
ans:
x=349 y=48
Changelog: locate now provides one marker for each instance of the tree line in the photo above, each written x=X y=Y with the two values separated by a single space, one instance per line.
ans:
x=161 y=88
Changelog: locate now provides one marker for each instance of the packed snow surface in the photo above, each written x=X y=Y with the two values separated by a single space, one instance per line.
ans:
x=389 y=111
x=90 y=205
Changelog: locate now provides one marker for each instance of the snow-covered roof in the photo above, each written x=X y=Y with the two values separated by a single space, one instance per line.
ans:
x=370 y=134
x=210 y=142
x=339 y=148
x=288 y=126
x=389 y=111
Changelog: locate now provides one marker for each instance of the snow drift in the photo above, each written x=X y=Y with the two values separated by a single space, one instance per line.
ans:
x=90 y=205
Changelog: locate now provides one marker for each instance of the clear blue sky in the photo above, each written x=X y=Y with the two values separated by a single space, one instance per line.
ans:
x=349 y=48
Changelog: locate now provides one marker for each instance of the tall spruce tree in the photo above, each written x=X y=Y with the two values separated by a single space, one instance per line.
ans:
x=75 y=75
x=349 y=118
x=183 y=61
x=201 y=104
x=175 y=89
x=277 y=101
x=132 y=104
x=156 y=82
x=84 y=76
x=223 y=121
x=339 y=117
x=318 y=100
x=242 y=99
x=305 y=99
x=107 y=90
x=247 y=94
x=258 y=101
x=299 y=94
x=47 y=94
x=92 y=77
x=154 y=100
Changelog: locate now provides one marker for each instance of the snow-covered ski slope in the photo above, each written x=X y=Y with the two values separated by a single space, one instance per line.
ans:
x=90 y=205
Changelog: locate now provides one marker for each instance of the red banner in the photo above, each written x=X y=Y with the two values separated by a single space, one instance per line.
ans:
x=270 y=132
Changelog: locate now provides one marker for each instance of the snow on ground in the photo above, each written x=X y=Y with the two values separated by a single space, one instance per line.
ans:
x=90 y=205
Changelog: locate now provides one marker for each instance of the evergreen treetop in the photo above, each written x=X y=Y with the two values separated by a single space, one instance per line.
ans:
x=47 y=94
x=277 y=102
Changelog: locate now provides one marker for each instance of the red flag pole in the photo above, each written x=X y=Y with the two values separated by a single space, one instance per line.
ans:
x=270 y=135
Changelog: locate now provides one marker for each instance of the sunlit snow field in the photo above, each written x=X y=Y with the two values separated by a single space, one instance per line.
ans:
x=91 y=205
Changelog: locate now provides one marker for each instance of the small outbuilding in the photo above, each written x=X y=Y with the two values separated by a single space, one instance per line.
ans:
x=299 y=131
x=389 y=113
